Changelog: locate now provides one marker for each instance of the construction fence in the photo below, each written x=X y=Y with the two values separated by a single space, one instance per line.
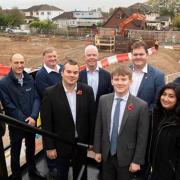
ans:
x=164 y=37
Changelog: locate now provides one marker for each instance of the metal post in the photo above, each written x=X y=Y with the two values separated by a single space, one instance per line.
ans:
x=3 y=168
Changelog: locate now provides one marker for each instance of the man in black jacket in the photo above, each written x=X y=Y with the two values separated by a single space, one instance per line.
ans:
x=67 y=110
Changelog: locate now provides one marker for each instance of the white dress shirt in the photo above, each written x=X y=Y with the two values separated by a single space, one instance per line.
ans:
x=93 y=79
x=137 y=77
x=49 y=70
x=122 y=109
x=71 y=96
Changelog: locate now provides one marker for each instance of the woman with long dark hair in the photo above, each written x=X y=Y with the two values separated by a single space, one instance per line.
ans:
x=165 y=142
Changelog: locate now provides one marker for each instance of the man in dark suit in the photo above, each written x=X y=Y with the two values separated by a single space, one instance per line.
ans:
x=121 y=129
x=147 y=80
x=68 y=110
x=96 y=77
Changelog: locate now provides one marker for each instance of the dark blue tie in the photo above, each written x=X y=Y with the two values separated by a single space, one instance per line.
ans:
x=114 y=134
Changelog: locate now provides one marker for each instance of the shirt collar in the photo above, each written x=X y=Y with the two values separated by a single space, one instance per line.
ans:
x=97 y=69
x=49 y=70
x=144 y=69
x=65 y=89
x=125 y=97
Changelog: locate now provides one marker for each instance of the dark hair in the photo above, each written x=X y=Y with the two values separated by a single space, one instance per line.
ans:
x=176 y=109
x=122 y=70
x=139 y=44
x=71 y=62
x=48 y=50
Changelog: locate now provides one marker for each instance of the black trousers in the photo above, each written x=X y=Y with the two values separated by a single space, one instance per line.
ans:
x=112 y=171
x=16 y=137
x=78 y=161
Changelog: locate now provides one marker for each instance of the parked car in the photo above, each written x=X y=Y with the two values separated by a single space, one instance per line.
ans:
x=16 y=30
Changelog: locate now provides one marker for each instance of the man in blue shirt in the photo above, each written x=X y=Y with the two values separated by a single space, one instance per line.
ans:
x=20 y=101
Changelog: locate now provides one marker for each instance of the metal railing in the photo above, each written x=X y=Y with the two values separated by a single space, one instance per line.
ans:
x=25 y=127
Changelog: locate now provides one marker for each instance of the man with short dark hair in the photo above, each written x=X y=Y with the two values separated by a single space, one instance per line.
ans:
x=121 y=129
x=68 y=110
x=146 y=79
x=20 y=101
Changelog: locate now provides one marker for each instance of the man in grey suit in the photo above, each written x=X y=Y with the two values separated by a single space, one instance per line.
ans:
x=121 y=129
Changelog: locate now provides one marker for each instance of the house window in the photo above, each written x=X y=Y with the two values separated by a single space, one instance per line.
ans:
x=90 y=13
x=48 y=13
x=37 y=13
x=42 y=13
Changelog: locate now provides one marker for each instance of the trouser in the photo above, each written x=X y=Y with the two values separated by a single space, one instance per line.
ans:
x=16 y=137
x=112 y=171
x=78 y=161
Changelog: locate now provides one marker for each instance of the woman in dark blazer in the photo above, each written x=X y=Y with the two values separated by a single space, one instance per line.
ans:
x=165 y=142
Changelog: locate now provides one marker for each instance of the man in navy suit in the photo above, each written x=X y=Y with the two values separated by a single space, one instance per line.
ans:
x=147 y=80
x=96 y=77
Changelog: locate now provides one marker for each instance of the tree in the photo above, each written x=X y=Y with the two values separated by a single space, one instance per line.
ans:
x=176 y=22
x=45 y=26
x=16 y=17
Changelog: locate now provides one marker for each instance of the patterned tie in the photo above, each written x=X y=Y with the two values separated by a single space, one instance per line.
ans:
x=114 y=134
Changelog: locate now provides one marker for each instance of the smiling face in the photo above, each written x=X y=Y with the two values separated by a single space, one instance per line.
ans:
x=139 y=57
x=121 y=84
x=168 y=99
x=50 y=59
x=17 y=64
x=70 y=74
x=91 y=57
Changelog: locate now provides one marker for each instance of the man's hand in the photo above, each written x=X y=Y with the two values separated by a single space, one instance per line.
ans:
x=30 y=121
x=51 y=154
x=134 y=167
x=98 y=157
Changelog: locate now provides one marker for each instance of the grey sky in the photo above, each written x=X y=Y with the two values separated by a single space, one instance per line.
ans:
x=69 y=4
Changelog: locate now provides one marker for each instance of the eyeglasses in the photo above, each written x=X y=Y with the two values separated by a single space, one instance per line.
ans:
x=140 y=54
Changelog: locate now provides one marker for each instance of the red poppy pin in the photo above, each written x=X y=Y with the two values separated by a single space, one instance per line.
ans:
x=79 y=92
x=130 y=107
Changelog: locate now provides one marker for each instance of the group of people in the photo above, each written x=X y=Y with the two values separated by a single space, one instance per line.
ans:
x=129 y=118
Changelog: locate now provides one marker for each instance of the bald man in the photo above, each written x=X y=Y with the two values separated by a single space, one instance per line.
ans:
x=96 y=77
x=20 y=101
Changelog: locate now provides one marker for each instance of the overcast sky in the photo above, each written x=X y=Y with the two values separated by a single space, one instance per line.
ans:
x=68 y=5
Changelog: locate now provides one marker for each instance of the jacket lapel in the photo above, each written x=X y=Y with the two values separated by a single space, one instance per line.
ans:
x=62 y=95
x=144 y=80
x=126 y=113
x=84 y=80
x=109 y=110
x=78 y=100
x=100 y=80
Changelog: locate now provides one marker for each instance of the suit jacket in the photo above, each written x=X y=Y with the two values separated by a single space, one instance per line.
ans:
x=133 y=134
x=104 y=86
x=150 y=85
x=57 y=117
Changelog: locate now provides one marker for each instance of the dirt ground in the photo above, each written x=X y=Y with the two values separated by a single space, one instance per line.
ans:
x=165 y=59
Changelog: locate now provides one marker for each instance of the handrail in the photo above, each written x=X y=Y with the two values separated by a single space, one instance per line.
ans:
x=25 y=127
